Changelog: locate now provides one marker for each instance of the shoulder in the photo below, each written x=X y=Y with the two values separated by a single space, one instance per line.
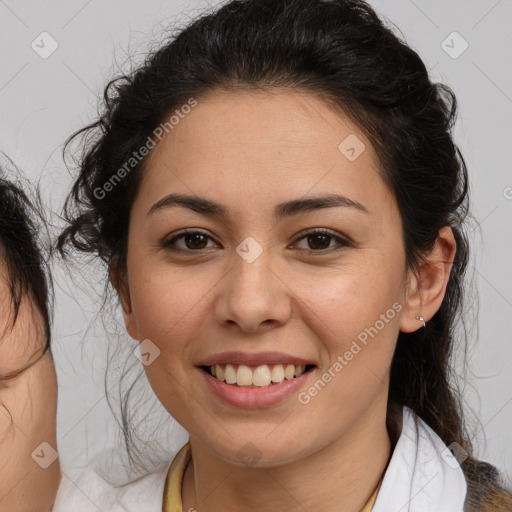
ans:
x=418 y=475
x=485 y=489
x=84 y=490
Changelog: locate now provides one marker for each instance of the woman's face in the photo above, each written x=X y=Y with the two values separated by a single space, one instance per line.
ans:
x=255 y=283
x=29 y=469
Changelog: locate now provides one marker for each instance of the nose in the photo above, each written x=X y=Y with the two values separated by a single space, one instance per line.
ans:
x=253 y=296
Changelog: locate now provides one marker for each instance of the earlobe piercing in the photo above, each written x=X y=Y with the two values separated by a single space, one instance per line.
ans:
x=422 y=320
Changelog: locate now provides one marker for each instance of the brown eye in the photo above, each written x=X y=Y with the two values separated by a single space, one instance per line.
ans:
x=189 y=241
x=195 y=241
x=319 y=240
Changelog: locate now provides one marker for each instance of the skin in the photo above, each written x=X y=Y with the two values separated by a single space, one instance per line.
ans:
x=28 y=402
x=250 y=151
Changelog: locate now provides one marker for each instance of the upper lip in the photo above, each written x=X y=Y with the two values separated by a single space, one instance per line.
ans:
x=253 y=359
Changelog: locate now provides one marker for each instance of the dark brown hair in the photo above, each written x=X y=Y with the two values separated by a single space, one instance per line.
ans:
x=341 y=51
x=21 y=248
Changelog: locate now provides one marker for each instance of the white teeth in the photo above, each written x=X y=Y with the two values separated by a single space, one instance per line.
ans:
x=244 y=376
x=289 y=372
x=298 y=370
x=219 y=373
x=261 y=376
x=230 y=374
x=277 y=374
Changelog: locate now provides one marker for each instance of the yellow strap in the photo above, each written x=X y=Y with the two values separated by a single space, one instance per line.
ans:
x=173 y=483
x=368 y=507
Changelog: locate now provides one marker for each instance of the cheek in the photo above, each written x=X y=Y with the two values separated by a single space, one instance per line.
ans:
x=5 y=425
x=32 y=403
x=27 y=419
x=46 y=398
x=166 y=304
x=353 y=298
x=356 y=318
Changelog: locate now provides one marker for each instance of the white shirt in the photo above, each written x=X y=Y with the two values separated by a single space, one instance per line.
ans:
x=422 y=476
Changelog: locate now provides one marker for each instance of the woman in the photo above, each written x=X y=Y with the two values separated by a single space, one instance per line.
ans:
x=279 y=204
x=29 y=470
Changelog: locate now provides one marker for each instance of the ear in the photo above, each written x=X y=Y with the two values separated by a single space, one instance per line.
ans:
x=120 y=282
x=427 y=287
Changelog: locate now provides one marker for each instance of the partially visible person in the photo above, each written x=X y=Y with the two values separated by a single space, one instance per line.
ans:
x=307 y=148
x=29 y=467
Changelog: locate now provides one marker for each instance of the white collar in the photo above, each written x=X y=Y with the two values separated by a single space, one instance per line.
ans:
x=422 y=475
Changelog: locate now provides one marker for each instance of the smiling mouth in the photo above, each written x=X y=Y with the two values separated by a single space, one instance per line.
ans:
x=262 y=376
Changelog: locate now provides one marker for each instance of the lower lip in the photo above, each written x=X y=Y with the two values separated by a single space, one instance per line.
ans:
x=254 y=398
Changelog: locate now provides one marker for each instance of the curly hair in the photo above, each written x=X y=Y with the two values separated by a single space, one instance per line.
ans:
x=344 y=53
x=21 y=249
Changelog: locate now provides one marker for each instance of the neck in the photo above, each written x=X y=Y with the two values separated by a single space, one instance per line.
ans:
x=342 y=475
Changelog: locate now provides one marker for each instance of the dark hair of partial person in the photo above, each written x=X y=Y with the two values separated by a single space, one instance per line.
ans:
x=22 y=223
x=342 y=52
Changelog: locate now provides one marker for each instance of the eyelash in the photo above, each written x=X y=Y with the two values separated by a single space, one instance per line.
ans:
x=342 y=242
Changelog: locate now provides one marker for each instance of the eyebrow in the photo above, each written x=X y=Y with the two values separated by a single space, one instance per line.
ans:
x=282 y=210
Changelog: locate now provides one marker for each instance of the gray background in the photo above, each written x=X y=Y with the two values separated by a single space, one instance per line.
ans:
x=44 y=100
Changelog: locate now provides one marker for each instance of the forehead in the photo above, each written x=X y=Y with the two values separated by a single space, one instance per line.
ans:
x=255 y=145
